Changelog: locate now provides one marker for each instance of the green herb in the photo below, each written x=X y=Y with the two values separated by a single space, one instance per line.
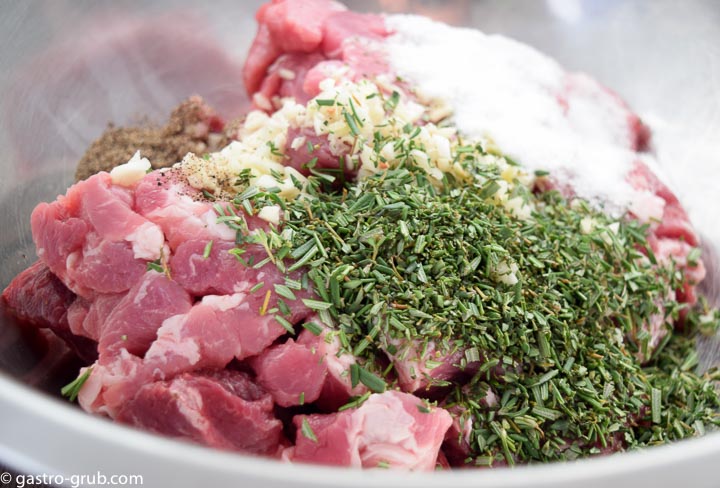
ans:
x=361 y=375
x=160 y=265
x=285 y=292
x=257 y=286
x=401 y=265
x=237 y=252
x=656 y=405
x=72 y=389
x=355 y=402
x=392 y=102
x=694 y=256
x=351 y=123
x=316 y=304
x=274 y=150
x=314 y=328
x=284 y=322
x=244 y=177
x=355 y=114
x=307 y=431
x=208 y=249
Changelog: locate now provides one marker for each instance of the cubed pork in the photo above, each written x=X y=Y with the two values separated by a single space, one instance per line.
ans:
x=299 y=43
x=36 y=296
x=311 y=370
x=222 y=409
x=392 y=429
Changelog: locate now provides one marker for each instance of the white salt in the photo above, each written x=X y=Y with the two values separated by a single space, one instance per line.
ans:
x=510 y=93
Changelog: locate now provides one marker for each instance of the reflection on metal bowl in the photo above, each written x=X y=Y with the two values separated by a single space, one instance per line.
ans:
x=67 y=69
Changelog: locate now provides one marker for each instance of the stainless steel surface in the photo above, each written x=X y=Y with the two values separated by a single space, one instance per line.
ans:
x=67 y=68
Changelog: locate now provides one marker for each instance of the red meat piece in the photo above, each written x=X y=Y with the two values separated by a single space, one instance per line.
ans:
x=224 y=409
x=393 y=428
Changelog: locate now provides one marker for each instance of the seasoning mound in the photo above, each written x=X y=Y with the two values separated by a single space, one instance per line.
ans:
x=548 y=333
x=193 y=127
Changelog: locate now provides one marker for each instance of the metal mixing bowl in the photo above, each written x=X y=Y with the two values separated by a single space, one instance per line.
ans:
x=67 y=68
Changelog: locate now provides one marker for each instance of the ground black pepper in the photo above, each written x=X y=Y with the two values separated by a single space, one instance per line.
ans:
x=192 y=127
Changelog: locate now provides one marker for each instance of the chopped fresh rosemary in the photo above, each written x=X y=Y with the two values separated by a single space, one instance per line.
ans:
x=314 y=328
x=355 y=402
x=307 y=431
x=325 y=102
x=160 y=265
x=72 y=389
x=549 y=312
x=257 y=286
x=392 y=101
x=155 y=266
x=208 y=249
x=359 y=374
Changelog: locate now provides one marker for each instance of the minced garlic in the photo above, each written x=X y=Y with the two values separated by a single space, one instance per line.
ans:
x=364 y=126
x=131 y=172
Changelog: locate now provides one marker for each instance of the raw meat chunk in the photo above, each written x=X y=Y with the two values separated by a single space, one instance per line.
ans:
x=38 y=297
x=224 y=409
x=300 y=43
x=392 y=429
x=134 y=321
x=313 y=369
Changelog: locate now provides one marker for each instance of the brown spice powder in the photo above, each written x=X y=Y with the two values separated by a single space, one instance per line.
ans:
x=192 y=127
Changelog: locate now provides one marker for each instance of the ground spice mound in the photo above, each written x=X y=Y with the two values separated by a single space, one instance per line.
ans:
x=193 y=127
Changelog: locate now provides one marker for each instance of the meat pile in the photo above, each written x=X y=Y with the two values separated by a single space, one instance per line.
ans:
x=191 y=346
x=195 y=351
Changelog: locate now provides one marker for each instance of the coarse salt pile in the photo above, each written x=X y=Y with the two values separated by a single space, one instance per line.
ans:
x=513 y=102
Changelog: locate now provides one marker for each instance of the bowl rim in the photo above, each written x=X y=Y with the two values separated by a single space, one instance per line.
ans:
x=20 y=404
